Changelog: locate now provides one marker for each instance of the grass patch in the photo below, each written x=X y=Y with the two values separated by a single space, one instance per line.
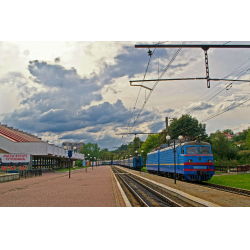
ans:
x=238 y=180
x=144 y=169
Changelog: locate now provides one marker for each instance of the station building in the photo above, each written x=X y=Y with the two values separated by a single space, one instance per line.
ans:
x=42 y=154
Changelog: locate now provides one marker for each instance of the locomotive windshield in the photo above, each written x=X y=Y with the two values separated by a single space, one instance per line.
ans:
x=192 y=150
x=204 y=150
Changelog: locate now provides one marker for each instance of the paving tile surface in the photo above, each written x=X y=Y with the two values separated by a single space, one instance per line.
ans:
x=94 y=188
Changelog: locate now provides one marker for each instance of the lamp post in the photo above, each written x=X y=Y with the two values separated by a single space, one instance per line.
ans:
x=89 y=161
x=180 y=138
x=142 y=158
x=69 y=155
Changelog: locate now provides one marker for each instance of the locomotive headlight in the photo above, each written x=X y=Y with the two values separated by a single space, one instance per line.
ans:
x=209 y=160
x=190 y=160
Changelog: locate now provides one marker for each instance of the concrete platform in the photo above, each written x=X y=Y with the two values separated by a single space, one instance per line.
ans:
x=94 y=188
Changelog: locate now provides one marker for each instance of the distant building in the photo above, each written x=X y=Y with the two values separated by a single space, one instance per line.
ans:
x=229 y=137
x=237 y=134
x=71 y=145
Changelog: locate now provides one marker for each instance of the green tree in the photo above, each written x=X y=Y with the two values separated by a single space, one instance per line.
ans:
x=248 y=140
x=241 y=137
x=151 y=142
x=187 y=126
x=92 y=149
x=228 y=131
x=222 y=148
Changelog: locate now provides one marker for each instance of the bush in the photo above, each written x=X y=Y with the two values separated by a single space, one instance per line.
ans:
x=78 y=163
x=243 y=157
x=228 y=163
x=243 y=153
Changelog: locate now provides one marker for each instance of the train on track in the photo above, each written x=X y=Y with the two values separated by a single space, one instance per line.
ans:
x=134 y=162
x=193 y=160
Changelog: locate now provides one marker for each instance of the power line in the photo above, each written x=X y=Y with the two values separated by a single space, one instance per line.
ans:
x=164 y=71
x=226 y=87
x=140 y=88
x=228 y=108
x=240 y=126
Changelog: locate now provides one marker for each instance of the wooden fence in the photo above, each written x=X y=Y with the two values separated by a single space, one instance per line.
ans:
x=242 y=168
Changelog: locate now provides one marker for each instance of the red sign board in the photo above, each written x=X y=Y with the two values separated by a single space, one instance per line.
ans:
x=9 y=168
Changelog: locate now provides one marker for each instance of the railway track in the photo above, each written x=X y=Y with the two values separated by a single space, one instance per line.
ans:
x=227 y=189
x=234 y=190
x=144 y=194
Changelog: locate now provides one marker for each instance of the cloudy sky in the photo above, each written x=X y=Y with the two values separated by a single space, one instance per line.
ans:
x=80 y=91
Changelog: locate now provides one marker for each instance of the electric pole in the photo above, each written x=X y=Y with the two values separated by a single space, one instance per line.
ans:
x=166 y=121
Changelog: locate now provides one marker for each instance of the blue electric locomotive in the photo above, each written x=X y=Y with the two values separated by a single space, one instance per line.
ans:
x=134 y=162
x=193 y=159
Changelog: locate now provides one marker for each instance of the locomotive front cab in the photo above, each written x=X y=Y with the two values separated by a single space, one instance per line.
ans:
x=137 y=162
x=198 y=161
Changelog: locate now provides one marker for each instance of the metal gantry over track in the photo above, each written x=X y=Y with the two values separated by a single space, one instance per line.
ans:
x=205 y=47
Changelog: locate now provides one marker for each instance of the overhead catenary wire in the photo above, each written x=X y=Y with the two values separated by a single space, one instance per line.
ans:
x=237 y=72
x=228 y=108
x=241 y=126
x=210 y=93
x=242 y=71
x=164 y=71
x=140 y=89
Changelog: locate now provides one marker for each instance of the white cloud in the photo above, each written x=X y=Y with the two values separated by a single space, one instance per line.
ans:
x=44 y=94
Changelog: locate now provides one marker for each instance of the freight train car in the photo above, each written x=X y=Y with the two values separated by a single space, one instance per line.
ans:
x=193 y=160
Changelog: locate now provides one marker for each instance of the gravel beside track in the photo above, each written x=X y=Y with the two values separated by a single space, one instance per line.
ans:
x=220 y=198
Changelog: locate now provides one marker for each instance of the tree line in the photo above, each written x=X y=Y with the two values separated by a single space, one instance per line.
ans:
x=226 y=152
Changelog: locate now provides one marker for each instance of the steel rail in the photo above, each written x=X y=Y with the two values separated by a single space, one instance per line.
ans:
x=159 y=195
x=227 y=189
x=136 y=195
x=234 y=190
